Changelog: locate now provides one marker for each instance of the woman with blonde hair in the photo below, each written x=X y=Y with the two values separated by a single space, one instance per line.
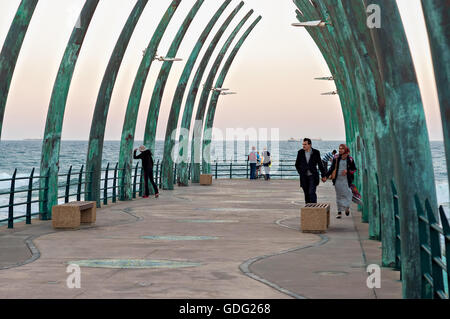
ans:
x=342 y=174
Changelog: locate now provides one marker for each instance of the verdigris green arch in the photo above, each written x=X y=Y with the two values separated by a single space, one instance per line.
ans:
x=210 y=114
x=356 y=17
x=55 y=114
x=189 y=108
x=201 y=109
x=96 y=136
x=358 y=83
x=330 y=51
x=437 y=18
x=134 y=101
x=150 y=130
x=413 y=166
x=11 y=49
x=158 y=92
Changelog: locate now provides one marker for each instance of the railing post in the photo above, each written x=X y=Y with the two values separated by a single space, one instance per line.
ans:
x=397 y=228
x=46 y=213
x=231 y=170
x=80 y=181
x=175 y=174
x=158 y=180
x=247 y=168
x=11 y=201
x=446 y=230
x=29 y=197
x=105 y=190
x=66 y=198
x=122 y=186
x=216 y=170
x=114 y=193
x=189 y=169
x=425 y=258
x=281 y=168
x=135 y=179
x=141 y=182
x=436 y=255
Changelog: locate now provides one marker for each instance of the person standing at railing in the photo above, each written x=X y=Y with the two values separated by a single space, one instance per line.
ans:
x=147 y=165
x=267 y=162
x=328 y=158
x=258 y=165
x=308 y=159
x=342 y=173
x=252 y=159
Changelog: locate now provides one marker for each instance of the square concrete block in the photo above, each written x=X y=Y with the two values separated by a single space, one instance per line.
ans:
x=65 y=216
x=89 y=216
x=315 y=218
x=205 y=179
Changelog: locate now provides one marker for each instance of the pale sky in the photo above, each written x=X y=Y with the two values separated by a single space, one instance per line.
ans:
x=273 y=73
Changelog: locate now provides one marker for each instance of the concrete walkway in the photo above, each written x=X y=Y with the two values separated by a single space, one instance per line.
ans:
x=250 y=247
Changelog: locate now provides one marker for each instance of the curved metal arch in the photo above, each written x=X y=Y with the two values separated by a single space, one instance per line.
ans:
x=210 y=114
x=327 y=43
x=55 y=114
x=346 y=43
x=188 y=109
x=134 y=101
x=201 y=109
x=155 y=103
x=356 y=18
x=97 y=133
x=437 y=19
x=11 y=49
x=150 y=130
x=413 y=167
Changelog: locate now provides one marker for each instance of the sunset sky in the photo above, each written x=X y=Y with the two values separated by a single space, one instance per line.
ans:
x=273 y=73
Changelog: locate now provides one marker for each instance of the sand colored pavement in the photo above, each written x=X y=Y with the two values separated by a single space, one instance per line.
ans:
x=248 y=245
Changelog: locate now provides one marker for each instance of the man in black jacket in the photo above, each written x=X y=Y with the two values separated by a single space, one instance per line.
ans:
x=147 y=165
x=306 y=164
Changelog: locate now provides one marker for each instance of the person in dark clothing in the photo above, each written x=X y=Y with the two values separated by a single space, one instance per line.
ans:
x=306 y=164
x=147 y=165
x=342 y=173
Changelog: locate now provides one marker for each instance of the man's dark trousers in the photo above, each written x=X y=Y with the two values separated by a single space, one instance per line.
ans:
x=148 y=175
x=252 y=170
x=309 y=188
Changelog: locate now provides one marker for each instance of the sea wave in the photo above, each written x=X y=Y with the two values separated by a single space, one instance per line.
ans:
x=6 y=185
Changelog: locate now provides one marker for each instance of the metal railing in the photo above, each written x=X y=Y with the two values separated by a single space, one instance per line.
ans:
x=72 y=185
x=282 y=169
x=29 y=191
x=434 y=241
x=434 y=265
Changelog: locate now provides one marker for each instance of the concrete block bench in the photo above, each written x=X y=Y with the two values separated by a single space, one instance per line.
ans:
x=205 y=179
x=315 y=218
x=72 y=214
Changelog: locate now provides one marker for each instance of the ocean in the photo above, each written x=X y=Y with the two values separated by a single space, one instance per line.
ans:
x=24 y=155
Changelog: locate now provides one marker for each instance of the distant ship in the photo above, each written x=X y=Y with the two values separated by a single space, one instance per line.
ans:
x=292 y=140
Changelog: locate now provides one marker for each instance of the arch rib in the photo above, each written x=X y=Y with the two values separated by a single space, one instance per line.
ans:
x=11 y=49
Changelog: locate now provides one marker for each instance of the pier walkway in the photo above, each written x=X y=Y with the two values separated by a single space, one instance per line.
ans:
x=234 y=239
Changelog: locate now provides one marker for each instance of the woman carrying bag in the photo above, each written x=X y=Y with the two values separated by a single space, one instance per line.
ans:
x=342 y=172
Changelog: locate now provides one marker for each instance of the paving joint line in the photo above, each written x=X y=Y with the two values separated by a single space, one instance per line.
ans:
x=245 y=266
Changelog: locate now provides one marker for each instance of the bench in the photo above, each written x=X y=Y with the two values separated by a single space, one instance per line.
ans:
x=315 y=218
x=71 y=215
x=205 y=179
